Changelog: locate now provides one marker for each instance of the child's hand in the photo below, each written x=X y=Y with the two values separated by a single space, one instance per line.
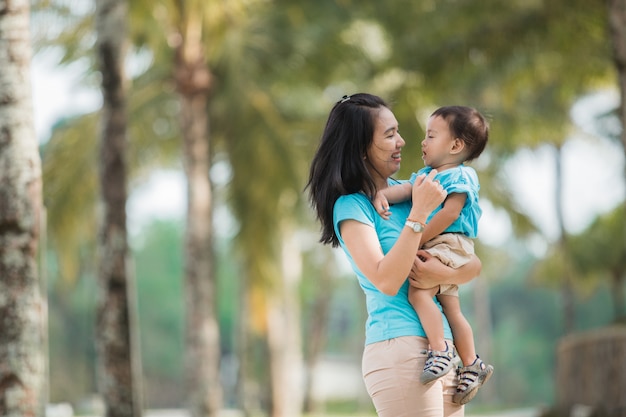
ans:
x=382 y=205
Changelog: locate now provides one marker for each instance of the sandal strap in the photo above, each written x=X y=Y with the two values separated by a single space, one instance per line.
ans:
x=466 y=378
x=469 y=374
x=438 y=361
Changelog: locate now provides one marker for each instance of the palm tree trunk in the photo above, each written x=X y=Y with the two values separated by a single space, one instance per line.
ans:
x=284 y=338
x=318 y=327
x=22 y=368
x=116 y=377
x=193 y=80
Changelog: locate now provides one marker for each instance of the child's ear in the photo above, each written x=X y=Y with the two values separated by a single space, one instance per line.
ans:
x=457 y=146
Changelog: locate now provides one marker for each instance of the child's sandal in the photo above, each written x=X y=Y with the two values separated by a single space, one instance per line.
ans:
x=438 y=364
x=471 y=378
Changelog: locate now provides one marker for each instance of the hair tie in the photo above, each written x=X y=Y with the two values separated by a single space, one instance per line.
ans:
x=344 y=99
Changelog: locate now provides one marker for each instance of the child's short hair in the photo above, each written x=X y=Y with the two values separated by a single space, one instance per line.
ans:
x=467 y=124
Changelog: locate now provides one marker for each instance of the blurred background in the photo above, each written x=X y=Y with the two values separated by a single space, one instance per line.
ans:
x=552 y=236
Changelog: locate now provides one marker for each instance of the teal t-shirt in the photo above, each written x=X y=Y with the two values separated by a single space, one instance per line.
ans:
x=387 y=316
x=462 y=179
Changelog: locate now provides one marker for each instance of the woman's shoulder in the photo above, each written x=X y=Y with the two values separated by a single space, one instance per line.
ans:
x=353 y=201
x=353 y=206
x=355 y=198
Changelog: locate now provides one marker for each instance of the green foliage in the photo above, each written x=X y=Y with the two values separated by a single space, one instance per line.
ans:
x=345 y=322
x=228 y=299
x=602 y=246
x=69 y=193
x=71 y=321
x=160 y=299
x=524 y=342
x=159 y=271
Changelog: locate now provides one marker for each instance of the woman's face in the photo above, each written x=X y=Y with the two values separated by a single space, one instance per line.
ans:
x=384 y=156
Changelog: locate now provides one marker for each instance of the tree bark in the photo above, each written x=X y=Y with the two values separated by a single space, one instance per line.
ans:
x=285 y=342
x=193 y=82
x=22 y=368
x=115 y=340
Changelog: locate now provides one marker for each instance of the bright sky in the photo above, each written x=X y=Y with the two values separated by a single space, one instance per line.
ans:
x=593 y=173
x=57 y=93
x=593 y=167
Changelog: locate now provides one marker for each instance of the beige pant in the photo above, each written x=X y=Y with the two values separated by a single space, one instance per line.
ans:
x=453 y=250
x=391 y=371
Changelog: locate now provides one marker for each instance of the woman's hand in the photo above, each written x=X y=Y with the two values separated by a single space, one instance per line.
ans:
x=428 y=271
x=427 y=196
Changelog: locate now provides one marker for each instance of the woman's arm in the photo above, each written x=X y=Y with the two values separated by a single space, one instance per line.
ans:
x=385 y=272
x=428 y=271
x=388 y=272
x=450 y=211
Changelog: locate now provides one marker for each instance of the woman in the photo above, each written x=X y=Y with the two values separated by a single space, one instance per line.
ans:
x=359 y=151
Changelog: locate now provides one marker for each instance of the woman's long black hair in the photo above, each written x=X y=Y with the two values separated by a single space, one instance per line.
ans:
x=338 y=167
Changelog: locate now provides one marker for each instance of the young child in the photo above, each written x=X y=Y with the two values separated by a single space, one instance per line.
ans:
x=454 y=135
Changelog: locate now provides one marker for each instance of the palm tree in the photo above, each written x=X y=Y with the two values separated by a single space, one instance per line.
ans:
x=117 y=376
x=22 y=307
x=193 y=81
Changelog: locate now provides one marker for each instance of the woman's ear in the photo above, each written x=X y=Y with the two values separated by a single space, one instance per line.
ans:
x=457 y=146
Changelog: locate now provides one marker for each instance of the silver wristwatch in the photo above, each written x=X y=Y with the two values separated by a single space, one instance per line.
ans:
x=417 y=227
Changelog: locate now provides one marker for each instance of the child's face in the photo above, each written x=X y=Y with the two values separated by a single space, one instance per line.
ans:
x=438 y=143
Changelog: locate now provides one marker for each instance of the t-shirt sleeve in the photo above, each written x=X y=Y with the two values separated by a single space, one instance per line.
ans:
x=463 y=182
x=353 y=207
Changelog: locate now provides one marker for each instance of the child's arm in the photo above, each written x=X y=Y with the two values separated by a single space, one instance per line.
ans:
x=450 y=211
x=394 y=194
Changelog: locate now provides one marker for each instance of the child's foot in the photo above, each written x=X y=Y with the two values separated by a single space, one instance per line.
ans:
x=471 y=378
x=438 y=363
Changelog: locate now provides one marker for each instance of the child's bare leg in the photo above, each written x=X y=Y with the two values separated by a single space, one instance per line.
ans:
x=429 y=314
x=461 y=329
